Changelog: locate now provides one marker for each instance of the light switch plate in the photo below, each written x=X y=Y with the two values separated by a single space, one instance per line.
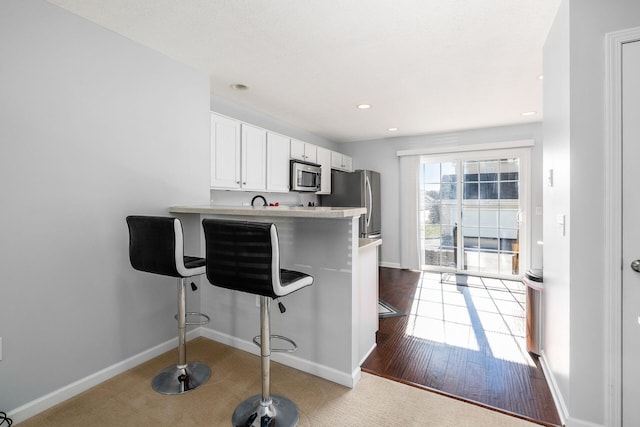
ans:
x=561 y=220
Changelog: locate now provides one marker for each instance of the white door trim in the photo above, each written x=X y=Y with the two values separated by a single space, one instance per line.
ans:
x=613 y=221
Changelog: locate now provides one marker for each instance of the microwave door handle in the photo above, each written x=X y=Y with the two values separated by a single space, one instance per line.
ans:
x=369 y=207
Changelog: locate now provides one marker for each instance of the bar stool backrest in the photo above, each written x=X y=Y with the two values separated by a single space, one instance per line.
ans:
x=156 y=245
x=243 y=256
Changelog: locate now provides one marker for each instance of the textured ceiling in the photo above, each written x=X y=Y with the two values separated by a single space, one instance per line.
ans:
x=425 y=66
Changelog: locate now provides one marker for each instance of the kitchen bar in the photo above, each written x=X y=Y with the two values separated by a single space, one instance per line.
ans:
x=334 y=321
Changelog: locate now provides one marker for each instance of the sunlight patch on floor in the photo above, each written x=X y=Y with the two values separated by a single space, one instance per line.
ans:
x=475 y=313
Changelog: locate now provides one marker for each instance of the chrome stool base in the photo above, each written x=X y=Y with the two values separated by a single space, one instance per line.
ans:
x=282 y=412
x=178 y=380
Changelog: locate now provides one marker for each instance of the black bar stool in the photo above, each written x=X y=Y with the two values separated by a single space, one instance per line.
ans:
x=156 y=245
x=244 y=256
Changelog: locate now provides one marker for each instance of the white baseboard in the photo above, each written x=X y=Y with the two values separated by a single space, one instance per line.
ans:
x=47 y=401
x=373 y=347
x=326 y=372
x=561 y=407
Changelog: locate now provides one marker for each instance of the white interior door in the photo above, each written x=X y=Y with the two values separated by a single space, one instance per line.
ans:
x=630 y=234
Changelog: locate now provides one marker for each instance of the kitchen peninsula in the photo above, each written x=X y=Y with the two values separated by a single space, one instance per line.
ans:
x=335 y=320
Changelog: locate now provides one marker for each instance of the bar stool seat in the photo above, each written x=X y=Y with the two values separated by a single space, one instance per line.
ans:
x=156 y=245
x=244 y=256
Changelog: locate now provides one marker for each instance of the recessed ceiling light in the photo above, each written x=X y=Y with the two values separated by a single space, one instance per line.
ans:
x=239 y=86
x=541 y=76
x=529 y=113
x=363 y=106
x=392 y=129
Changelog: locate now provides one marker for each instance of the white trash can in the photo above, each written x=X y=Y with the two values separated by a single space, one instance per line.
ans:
x=534 y=285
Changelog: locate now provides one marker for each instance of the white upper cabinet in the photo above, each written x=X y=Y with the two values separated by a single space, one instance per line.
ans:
x=225 y=152
x=254 y=158
x=238 y=155
x=304 y=151
x=247 y=157
x=277 y=163
x=347 y=162
x=324 y=160
x=297 y=149
x=341 y=162
x=311 y=153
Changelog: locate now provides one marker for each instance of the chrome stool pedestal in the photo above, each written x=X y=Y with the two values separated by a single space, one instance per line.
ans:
x=262 y=410
x=178 y=379
x=253 y=412
x=183 y=377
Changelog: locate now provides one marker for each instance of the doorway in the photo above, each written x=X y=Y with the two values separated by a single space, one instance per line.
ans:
x=622 y=237
x=472 y=211
x=630 y=233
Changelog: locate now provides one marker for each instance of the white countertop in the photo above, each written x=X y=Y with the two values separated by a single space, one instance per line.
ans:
x=367 y=243
x=281 y=211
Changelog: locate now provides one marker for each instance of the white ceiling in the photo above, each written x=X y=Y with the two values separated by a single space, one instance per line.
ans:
x=425 y=66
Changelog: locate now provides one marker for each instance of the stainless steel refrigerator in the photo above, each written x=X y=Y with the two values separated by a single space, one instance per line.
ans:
x=358 y=188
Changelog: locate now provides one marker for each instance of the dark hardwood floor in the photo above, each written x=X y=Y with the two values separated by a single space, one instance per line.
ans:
x=463 y=336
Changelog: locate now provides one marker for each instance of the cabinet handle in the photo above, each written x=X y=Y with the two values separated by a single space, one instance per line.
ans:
x=237 y=182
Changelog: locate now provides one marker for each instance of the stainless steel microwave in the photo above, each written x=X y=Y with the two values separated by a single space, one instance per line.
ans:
x=305 y=176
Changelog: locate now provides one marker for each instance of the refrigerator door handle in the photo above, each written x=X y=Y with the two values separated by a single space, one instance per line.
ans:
x=369 y=205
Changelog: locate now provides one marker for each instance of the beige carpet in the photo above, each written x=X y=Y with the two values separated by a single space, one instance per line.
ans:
x=128 y=400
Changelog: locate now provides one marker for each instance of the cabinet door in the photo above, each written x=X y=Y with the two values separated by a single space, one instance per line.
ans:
x=347 y=163
x=254 y=158
x=277 y=163
x=336 y=160
x=324 y=160
x=225 y=152
x=304 y=151
x=341 y=162
x=297 y=149
x=310 y=153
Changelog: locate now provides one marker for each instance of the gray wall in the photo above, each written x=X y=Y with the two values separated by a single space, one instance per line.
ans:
x=380 y=155
x=92 y=128
x=574 y=135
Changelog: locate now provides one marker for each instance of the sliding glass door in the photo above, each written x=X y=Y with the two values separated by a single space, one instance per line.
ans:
x=471 y=212
x=438 y=213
